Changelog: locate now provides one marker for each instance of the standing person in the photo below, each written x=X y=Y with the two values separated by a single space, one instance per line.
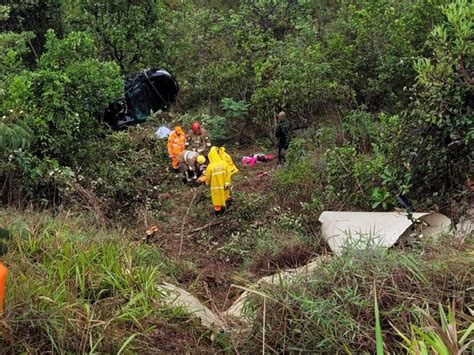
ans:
x=228 y=159
x=283 y=135
x=189 y=163
x=176 y=142
x=232 y=169
x=198 y=139
x=217 y=176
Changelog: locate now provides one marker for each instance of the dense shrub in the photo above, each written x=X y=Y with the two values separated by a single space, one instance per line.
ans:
x=56 y=102
x=437 y=139
x=127 y=171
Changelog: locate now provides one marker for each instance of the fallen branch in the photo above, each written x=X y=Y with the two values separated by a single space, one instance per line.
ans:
x=210 y=224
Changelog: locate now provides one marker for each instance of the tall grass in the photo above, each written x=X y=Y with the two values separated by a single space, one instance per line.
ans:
x=334 y=309
x=73 y=288
x=442 y=337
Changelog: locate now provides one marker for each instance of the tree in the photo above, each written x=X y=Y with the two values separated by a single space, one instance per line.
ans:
x=131 y=33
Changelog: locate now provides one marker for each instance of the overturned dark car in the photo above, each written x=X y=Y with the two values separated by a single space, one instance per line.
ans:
x=145 y=93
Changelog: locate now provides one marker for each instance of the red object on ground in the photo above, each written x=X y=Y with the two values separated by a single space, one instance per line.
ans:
x=3 y=284
x=250 y=161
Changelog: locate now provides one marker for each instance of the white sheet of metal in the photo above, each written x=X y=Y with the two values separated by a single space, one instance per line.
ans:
x=362 y=229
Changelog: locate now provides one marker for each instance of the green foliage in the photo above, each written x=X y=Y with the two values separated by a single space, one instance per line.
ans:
x=296 y=179
x=444 y=80
x=360 y=128
x=61 y=96
x=438 y=125
x=383 y=37
x=15 y=136
x=351 y=176
x=218 y=127
x=34 y=18
x=126 y=170
x=440 y=337
x=130 y=34
x=57 y=101
x=234 y=109
x=326 y=137
x=380 y=197
x=249 y=206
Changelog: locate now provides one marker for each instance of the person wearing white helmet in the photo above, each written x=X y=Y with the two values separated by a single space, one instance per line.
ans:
x=189 y=163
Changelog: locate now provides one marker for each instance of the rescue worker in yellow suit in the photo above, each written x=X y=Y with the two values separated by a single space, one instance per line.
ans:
x=218 y=177
x=232 y=170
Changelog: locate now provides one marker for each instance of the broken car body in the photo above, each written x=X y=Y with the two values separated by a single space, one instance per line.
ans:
x=145 y=93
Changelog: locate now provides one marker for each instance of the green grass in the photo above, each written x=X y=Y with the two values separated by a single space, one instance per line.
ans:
x=73 y=288
x=336 y=309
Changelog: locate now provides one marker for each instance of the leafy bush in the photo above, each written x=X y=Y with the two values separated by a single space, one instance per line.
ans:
x=57 y=101
x=326 y=137
x=350 y=177
x=61 y=97
x=234 y=109
x=438 y=126
x=360 y=128
x=126 y=170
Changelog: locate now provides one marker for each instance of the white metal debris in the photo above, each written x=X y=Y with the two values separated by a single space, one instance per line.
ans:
x=360 y=229
x=177 y=297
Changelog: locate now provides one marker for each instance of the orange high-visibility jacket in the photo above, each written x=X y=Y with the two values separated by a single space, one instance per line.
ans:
x=176 y=141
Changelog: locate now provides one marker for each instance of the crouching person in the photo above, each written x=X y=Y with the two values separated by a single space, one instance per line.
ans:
x=189 y=163
x=218 y=177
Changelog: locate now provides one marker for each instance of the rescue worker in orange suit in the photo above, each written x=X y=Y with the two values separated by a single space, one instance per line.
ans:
x=232 y=168
x=218 y=177
x=176 y=143
x=198 y=139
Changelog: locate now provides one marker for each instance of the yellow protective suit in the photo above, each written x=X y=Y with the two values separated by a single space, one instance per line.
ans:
x=228 y=159
x=218 y=178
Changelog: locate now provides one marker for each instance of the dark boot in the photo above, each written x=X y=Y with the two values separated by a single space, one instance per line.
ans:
x=220 y=212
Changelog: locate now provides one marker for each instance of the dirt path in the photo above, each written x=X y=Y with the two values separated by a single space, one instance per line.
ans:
x=207 y=274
